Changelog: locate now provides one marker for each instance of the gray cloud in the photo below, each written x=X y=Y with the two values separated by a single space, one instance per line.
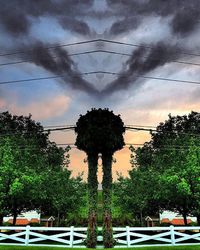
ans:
x=186 y=20
x=183 y=20
x=142 y=61
x=16 y=15
x=57 y=61
x=185 y=14
x=124 y=25
x=75 y=25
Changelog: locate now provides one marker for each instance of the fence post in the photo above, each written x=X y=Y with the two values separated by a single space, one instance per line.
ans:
x=71 y=236
x=128 y=236
x=172 y=235
x=27 y=235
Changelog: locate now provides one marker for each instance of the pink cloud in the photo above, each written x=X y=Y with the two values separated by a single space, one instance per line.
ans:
x=44 y=109
x=2 y=103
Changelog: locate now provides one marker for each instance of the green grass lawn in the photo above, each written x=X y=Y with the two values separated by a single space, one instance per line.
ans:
x=138 y=248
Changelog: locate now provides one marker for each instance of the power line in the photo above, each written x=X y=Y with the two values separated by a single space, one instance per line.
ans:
x=48 y=77
x=168 y=79
x=154 y=130
x=73 y=54
x=73 y=146
x=73 y=127
x=93 y=41
x=102 y=51
x=140 y=129
x=138 y=126
x=48 y=128
x=146 y=46
x=152 y=78
x=142 y=126
x=59 y=129
x=49 y=47
x=31 y=79
x=57 y=126
x=68 y=127
x=101 y=72
x=32 y=132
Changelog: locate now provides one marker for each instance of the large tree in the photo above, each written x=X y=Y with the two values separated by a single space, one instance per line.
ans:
x=179 y=182
x=19 y=179
x=175 y=146
x=100 y=132
x=135 y=194
x=165 y=171
x=63 y=195
x=28 y=162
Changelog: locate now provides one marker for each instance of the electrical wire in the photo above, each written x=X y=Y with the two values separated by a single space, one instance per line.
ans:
x=149 y=77
x=35 y=132
x=127 y=145
x=154 y=130
x=101 y=72
x=93 y=41
x=146 y=46
x=49 y=47
x=102 y=51
x=68 y=128
x=73 y=54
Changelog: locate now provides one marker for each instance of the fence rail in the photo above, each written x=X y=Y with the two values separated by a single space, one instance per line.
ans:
x=75 y=237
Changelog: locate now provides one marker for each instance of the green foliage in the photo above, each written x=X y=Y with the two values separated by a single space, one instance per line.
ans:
x=165 y=171
x=119 y=218
x=179 y=175
x=134 y=195
x=33 y=171
x=18 y=179
x=6 y=224
x=63 y=194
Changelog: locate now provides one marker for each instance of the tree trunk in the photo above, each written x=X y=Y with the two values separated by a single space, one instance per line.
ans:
x=92 y=193
x=58 y=219
x=198 y=219
x=14 y=217
x=141 y=218
x=185 y=219
x=1 y=219
x=107 y=200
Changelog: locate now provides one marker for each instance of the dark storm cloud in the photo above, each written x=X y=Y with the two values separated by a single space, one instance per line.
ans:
x=184 y=22
x=16 y=16
x=183 y=17
x=124 y=25
x=58 y=62
x=75 y=25
x=185 y=14
x=142 y=61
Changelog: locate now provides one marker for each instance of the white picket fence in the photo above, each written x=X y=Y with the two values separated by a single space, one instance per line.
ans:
x=75 y=237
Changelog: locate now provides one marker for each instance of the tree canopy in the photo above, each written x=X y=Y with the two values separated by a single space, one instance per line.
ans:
x=166 y=171
x=33 y=173
x=100 y=130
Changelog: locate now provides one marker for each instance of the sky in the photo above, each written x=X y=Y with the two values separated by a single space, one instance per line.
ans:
x=150 y=39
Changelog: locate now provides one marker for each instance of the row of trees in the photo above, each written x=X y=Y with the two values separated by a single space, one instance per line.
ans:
x=33 y=171
x=165 y=171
